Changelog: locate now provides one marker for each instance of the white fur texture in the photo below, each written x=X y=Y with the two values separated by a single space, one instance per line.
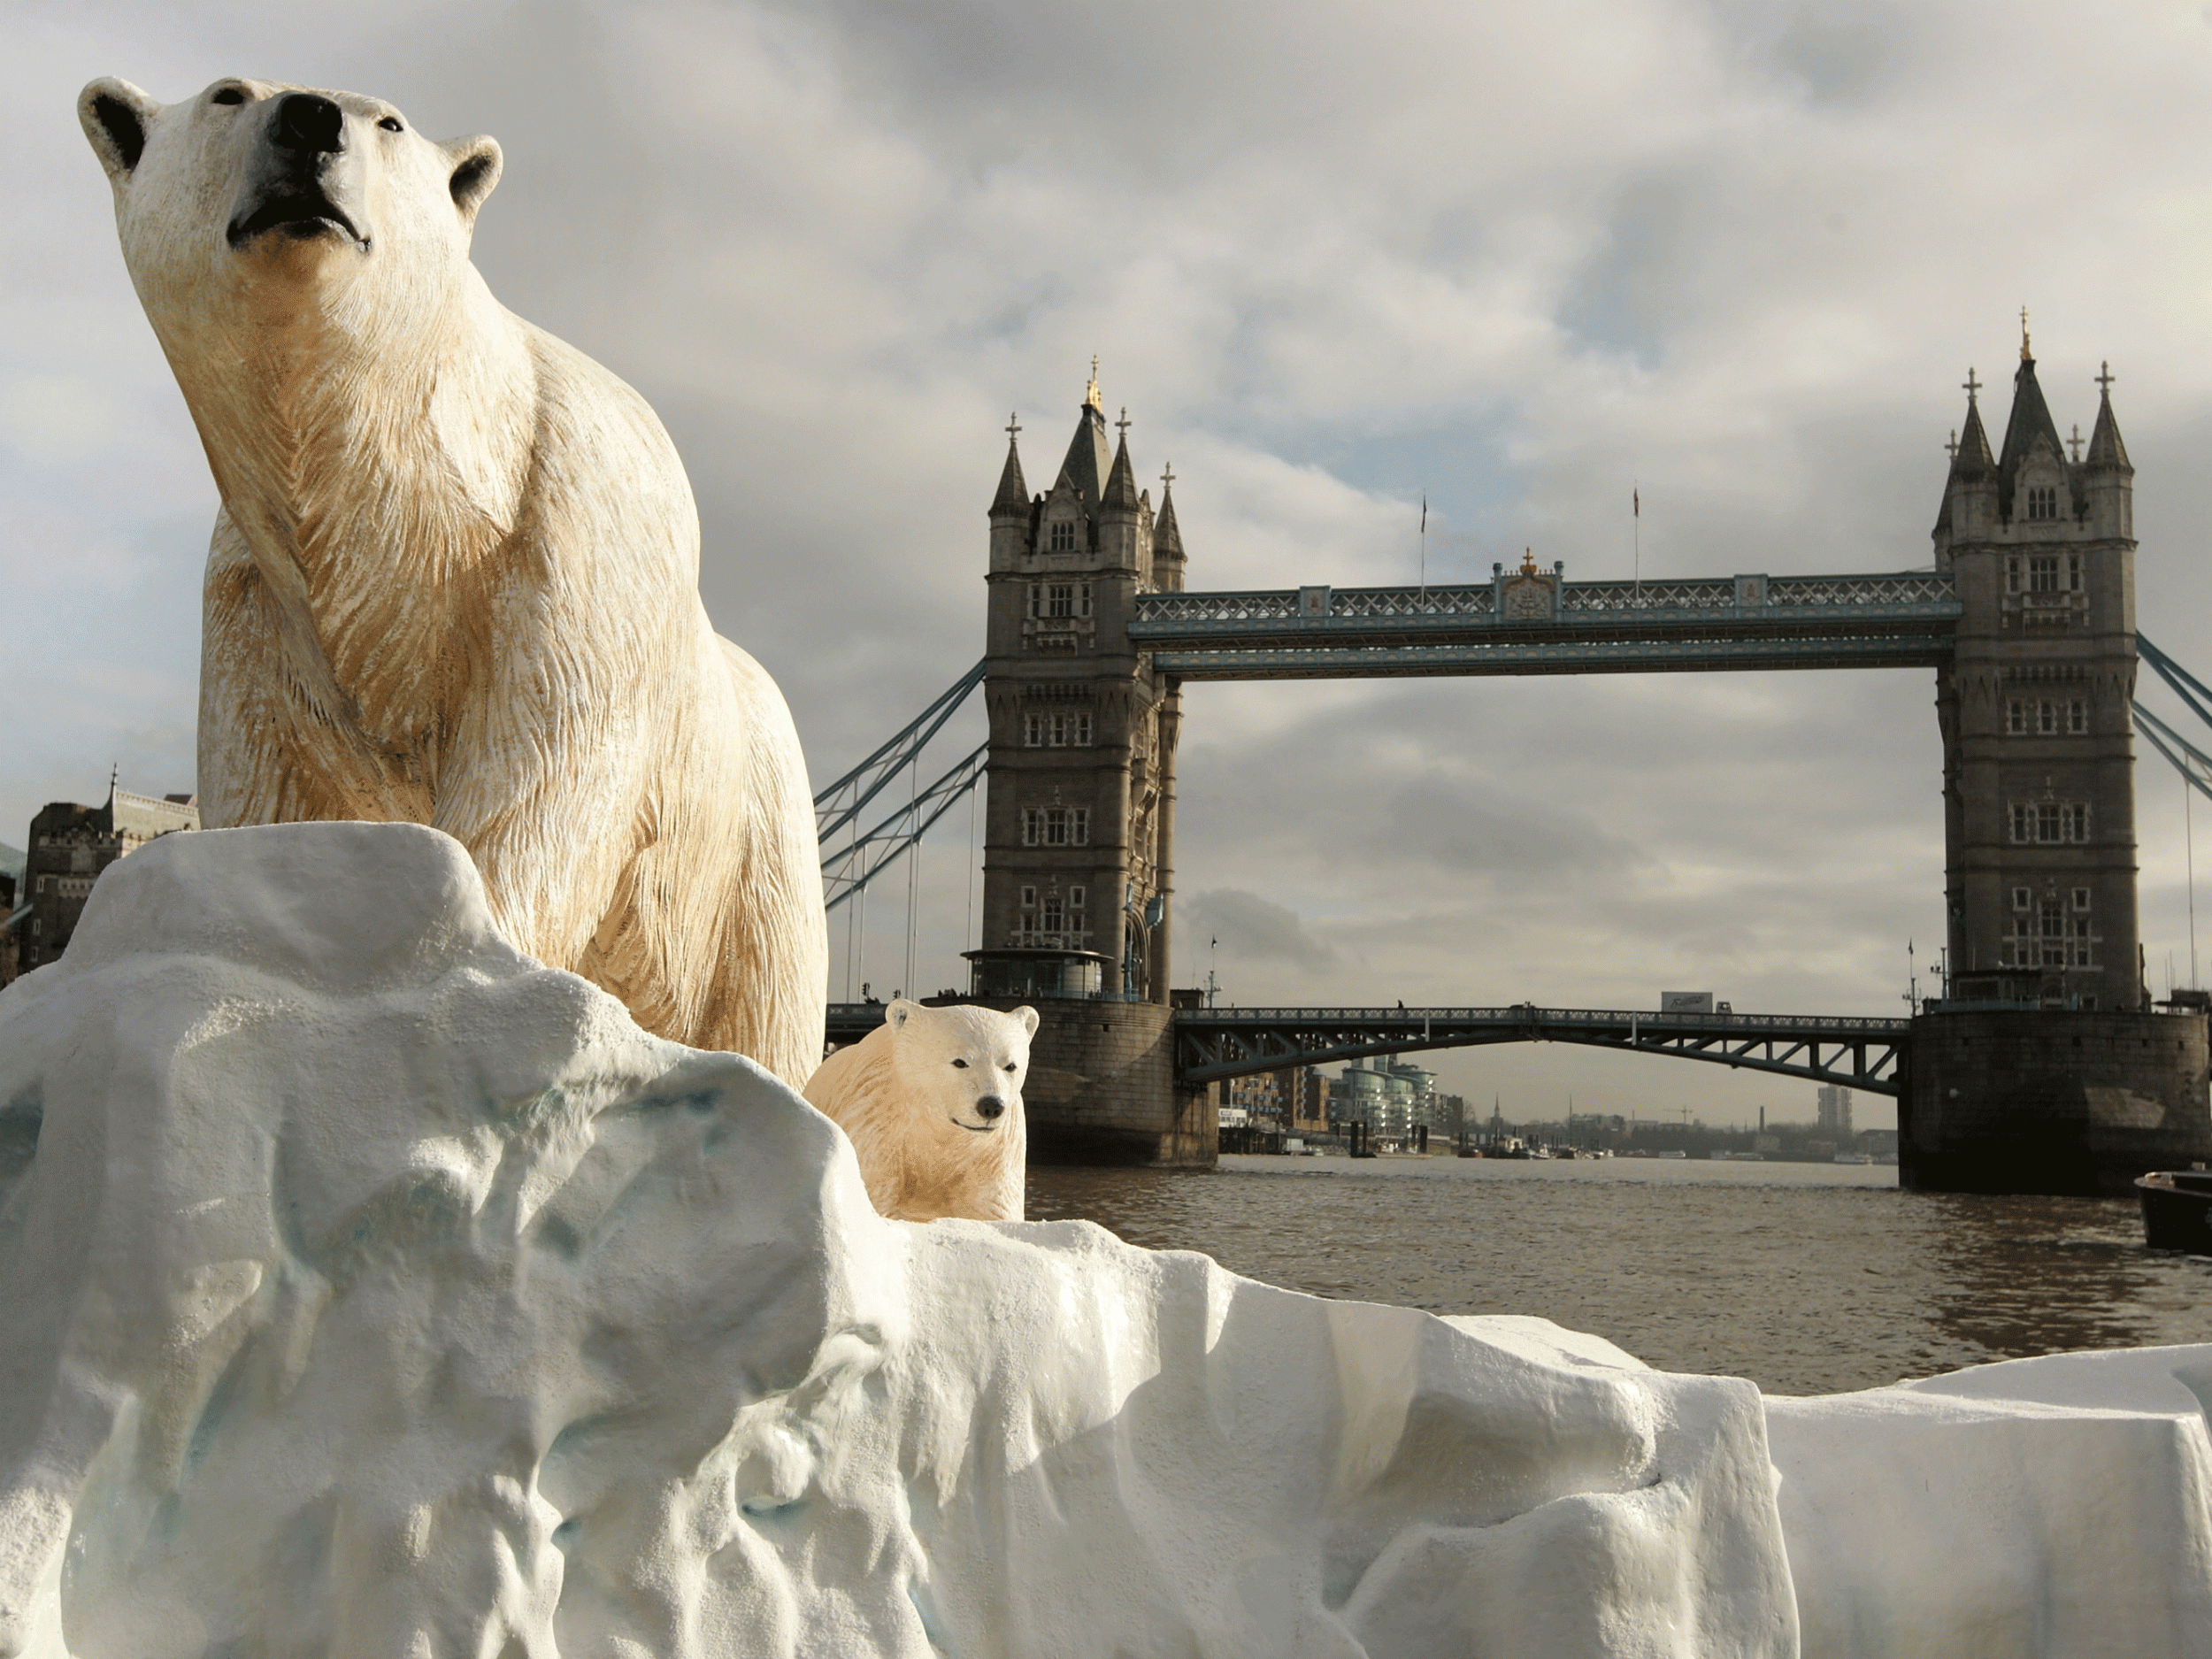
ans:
x=455 y=577
x=908 y=1097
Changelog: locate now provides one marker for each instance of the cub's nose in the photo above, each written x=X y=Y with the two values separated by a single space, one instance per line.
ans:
x=307 y=121
x=989 y=1107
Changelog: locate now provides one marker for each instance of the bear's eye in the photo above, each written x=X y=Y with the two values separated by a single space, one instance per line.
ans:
x=1010 y=1065
x=390 y=124
x=962 y=1064
x=228 y=95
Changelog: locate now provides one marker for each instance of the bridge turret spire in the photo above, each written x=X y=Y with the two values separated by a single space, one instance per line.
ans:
x=2028 y=429
x=1168 y=560
x=2108 y=479
x=1121 y=480
x=2107 y=453
x=1012 y=500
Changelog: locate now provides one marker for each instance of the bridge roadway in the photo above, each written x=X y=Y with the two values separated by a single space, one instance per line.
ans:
x=1211 y=1043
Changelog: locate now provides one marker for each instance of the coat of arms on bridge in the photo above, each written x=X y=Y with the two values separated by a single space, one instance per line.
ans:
x=1529 y=595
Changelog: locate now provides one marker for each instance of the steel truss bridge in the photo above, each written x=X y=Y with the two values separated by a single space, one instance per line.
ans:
x=1864 y=1054
x=1214 y=1043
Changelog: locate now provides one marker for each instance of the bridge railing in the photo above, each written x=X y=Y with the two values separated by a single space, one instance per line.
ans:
x=1898 y=594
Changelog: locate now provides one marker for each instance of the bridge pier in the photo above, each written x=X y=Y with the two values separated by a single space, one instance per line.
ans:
x=1102 y=1089
x=2041 y=1101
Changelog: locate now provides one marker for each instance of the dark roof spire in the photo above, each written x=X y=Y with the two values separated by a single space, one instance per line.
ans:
x=1013 y=490
x=1121 y=482
x=1167 y=539
x=1969 y=450
x=2030 y=420
x=1088 y=459
x=2107 y=453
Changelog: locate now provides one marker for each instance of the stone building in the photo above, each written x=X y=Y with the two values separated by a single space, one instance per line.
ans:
x=70 y=845
x=1080 y=805
x=2039 y=786
x=1834 y=1106
x=1081 y=792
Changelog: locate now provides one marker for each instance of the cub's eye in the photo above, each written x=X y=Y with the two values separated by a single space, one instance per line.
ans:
x=228 y=95
x=390 y=124
x=962 y=1064
x=1010 y=1065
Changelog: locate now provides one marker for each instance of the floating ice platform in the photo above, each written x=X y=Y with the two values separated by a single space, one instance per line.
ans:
x=367 y=1288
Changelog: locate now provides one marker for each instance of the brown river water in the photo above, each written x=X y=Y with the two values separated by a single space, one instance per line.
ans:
x=1806 y=1279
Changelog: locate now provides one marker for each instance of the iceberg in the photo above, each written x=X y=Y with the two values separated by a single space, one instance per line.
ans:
x=368 y=1289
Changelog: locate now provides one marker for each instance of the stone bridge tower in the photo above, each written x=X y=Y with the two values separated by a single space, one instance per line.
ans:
x=1080 y=822
x=2038 y=758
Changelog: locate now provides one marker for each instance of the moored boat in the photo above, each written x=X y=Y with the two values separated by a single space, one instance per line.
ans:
x=2176 y=1209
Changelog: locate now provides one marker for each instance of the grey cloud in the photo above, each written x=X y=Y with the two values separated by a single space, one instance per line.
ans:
x=1251 y=929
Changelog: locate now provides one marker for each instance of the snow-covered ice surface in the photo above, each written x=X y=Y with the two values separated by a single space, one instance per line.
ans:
x=2057 y=1506
x=367 y=1289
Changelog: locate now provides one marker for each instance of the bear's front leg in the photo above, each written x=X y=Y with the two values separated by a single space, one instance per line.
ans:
x=278 y=739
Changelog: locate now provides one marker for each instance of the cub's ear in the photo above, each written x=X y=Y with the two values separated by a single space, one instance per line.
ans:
x=475 y=163
x=115 y=116
x=1028 y=1017
x=900 y=1011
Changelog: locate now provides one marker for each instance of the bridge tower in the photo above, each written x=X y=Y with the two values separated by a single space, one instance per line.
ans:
x=2038 y=757
x=1080 y=820
x=1081 y=803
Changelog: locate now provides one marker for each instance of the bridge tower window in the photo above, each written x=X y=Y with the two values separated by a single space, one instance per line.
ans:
x=1069 y=728
x=1060 y=536
x=2043 y=501
x=1056 y=826
x=2047 y=823
x=1060 y=600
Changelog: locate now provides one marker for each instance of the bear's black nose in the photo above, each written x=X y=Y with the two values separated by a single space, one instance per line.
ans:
x=307 y=121
x=989 y=1107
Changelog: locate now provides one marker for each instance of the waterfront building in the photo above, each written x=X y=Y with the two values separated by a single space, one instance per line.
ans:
x=70 y=845
x=1391 y=1096
x=1835 y=1111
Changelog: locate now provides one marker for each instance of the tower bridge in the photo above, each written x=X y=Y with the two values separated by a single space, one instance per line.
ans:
x=2044 y=1067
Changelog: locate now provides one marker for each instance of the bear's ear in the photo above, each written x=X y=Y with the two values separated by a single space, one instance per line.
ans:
x=1028 y=1017
x=475 y=163
x=900 y=1011
x=115 y=116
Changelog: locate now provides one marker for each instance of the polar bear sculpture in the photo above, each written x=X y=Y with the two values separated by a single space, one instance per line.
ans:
x=455 y=576
x=931 y=1101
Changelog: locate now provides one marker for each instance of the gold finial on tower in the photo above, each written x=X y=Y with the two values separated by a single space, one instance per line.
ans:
x=1528 y=561
x=1090 y=392
x=2026 y=356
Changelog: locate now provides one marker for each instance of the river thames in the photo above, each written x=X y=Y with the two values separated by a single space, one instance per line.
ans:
x=1806 y=1279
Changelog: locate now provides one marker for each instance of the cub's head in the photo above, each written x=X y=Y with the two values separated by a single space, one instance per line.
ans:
x=254 y=182
x=962 y=1065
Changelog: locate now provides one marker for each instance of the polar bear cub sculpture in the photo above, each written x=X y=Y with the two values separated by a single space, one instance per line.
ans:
x=932 y=1102
x=455 y=576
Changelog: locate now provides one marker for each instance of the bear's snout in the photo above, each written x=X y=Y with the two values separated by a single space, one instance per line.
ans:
x=990 y=1107
x=309 y=121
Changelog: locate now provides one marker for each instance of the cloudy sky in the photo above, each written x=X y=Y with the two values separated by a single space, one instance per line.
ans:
x=1519 y=256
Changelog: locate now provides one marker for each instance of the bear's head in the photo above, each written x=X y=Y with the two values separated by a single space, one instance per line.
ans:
x=963 y=1066
x=255 y=185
